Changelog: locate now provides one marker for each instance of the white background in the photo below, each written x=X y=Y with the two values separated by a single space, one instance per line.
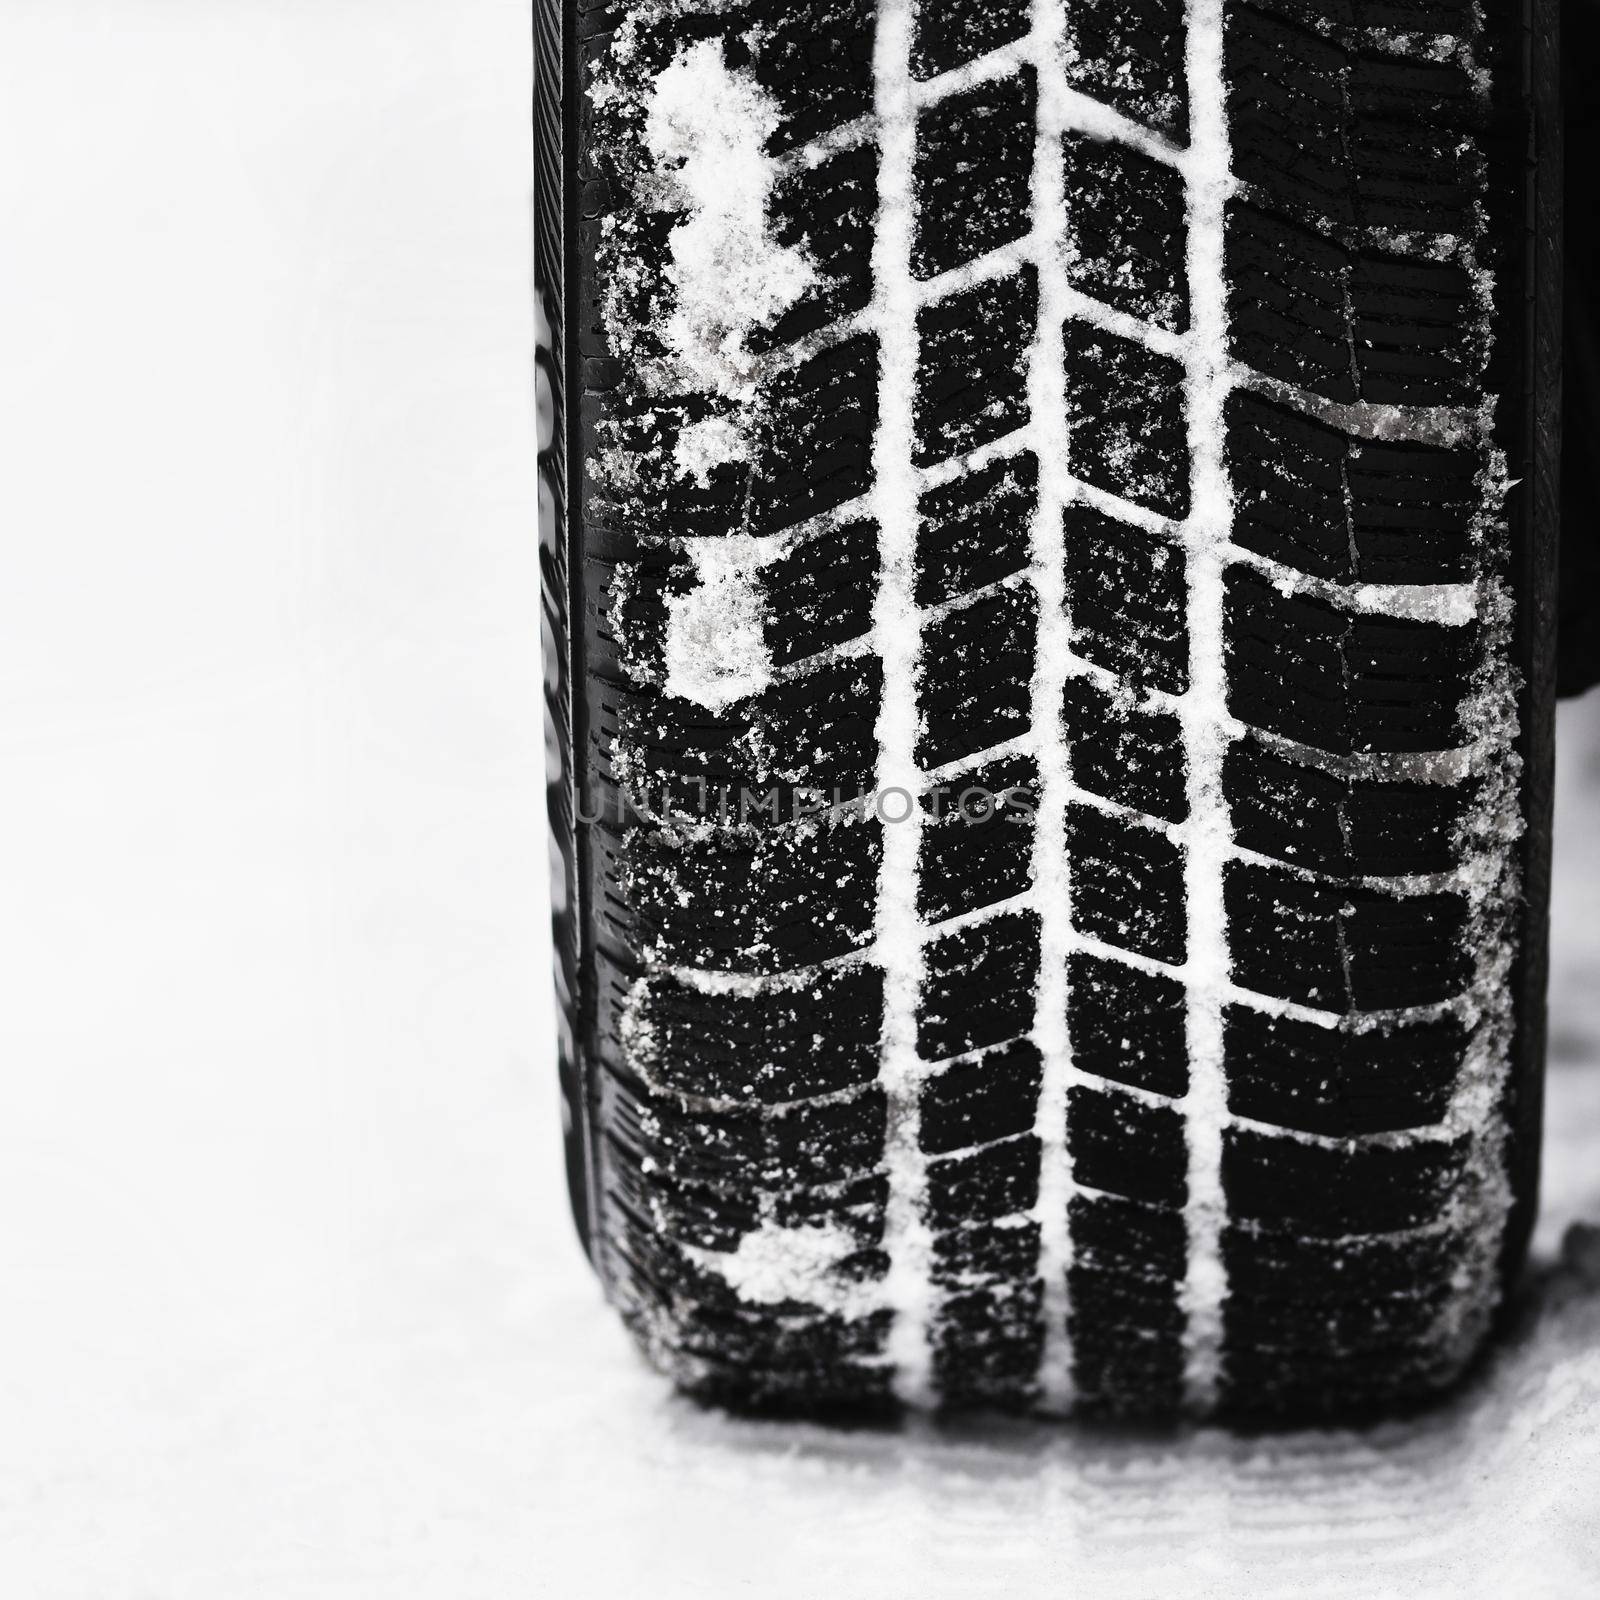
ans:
x=290 y=1305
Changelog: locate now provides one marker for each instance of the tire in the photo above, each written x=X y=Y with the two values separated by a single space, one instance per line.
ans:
x=1578 y=662
x=1048 y=516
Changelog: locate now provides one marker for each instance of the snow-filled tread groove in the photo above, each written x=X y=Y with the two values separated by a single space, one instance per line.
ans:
x=1048 y=813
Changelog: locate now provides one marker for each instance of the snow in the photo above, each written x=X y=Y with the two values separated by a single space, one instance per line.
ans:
x=1052 y=872
x=1209 y=831
x=293 y=1306
x=776 y=1264
x=704 y=446
x=704 y=129
x=715 y=648
x=1491 y=881
x=897 y=640
x=706 y=124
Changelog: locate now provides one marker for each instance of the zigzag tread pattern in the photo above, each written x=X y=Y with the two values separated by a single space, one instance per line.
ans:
x=739 y=1008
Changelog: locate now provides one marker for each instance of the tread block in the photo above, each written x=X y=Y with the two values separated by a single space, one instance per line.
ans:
x=1000 y=1180
x=1343 y=681
x=770 y=1046
x=978 y=987
x=986 y=1252
x=862 y=1388
x=1288 y=151
x=1126 y=594
x=986 y=1346
x=646 y=435
x=1126 y=1320
x=1270 y=1382
x=1344 y=137
x=821 y=592
x=796 y=1361
x=817 y=454
x=1127 y=1371
x=977 y=844
x=817 y=594
x=958 y=31
x=1125 y=230
x=1129 y=54
x=814 y=443
x=972 y=377
x=979 y=1101
x=1281 y=1184
x=976 y=529
x=716 y=1214
x=710 y=1303
x=695 y=760
x=977 y=671
x=1127 y=1147
x=857 y=1205
x=641 y=297
x=1343 y=325
x=829 y=212
x=1355 y=510
x=1287 y=299
x=1339 y=1081
x=1123 y=753
x=801 y=1144
x=1412 y=508
x=815 y=58
x=973 y=172
x=1125 y=406
x=1128 y=1237
x=1114 y=1308
x=1411 y=326
x=1127 y=884
x=1340 y=947
x=1408 y=124
x=633 y=598
x=755 y=903
x=1275 y=1265
x=1127 y=1025
x=702 y=1216
x=1361 y=826
x=1343 y=18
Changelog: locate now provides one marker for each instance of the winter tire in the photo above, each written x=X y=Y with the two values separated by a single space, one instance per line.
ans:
x=1048 y=540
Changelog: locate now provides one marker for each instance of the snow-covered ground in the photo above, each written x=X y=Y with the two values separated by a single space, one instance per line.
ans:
x=290 y=1306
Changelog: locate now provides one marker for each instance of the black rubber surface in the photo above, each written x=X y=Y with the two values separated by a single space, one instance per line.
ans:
x=1580 y=475
x=722 y=994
